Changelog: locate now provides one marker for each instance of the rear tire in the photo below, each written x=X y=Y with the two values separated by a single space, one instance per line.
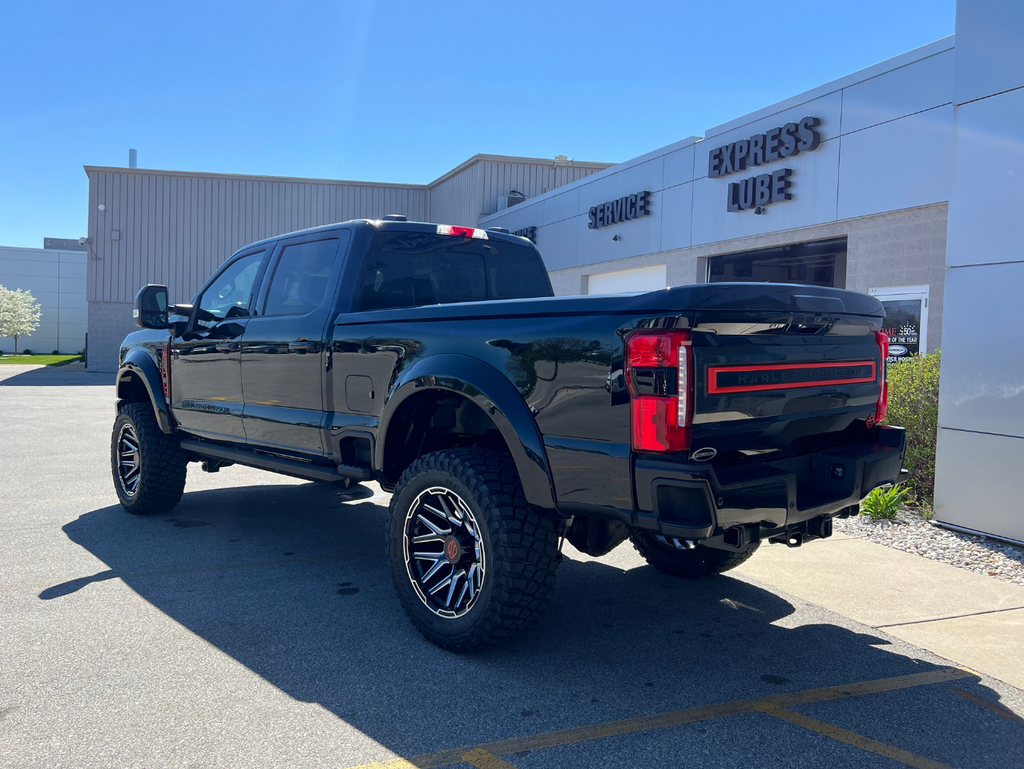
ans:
x=148 y=465
x=495 y=567
x=701 y=561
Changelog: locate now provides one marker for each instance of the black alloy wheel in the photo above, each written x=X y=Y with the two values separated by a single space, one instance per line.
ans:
x=444 y=556
x=129 y=467
x=471 y=563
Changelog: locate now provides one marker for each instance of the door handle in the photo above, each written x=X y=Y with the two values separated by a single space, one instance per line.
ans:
x=302 y=346
x=226 y=347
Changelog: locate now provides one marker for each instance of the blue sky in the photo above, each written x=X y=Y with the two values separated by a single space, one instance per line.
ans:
x=396 y=91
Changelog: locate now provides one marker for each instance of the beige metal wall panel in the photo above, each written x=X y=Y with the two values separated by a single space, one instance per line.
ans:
x=475 y=188
x=176 y=229
x=531 y=179
x=457 y=199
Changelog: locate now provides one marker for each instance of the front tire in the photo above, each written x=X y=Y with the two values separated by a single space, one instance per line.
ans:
x=690 y=563
x=148 y=466
x=470 y=563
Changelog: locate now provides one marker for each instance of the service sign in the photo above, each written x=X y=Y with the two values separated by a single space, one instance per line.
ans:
x=530 y=233
x=621 y=209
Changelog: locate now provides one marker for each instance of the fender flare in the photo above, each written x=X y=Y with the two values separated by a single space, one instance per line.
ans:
x=500 y=400
x=139 y=363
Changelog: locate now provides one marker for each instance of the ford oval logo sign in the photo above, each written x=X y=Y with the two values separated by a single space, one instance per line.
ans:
x=703 y=455
x=896 y=350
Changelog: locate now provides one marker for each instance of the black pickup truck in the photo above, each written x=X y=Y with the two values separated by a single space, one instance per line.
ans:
x=696 y=421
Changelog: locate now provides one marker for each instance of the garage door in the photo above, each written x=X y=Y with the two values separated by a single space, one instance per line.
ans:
x=628 y=281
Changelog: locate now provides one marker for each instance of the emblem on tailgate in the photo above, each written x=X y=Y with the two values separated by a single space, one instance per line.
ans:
x=703 y=455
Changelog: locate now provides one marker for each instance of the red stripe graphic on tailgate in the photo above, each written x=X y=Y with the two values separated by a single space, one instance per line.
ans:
x=786 y=376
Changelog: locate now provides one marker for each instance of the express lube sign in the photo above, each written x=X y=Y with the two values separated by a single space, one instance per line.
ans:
x=761 y=149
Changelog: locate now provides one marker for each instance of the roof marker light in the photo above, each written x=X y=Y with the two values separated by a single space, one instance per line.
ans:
x=461 y=232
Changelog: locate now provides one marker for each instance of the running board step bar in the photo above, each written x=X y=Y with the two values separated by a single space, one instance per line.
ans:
x=277 y=464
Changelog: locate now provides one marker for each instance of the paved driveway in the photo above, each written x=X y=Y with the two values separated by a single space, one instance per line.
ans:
x=256 y=626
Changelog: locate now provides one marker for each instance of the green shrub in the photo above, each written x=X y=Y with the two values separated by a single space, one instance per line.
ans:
x=883 y=504
x=914 y=404
x=26 y=352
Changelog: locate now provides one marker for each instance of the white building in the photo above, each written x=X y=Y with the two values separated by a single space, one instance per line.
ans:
x=861 y=201
x=56 y=277
x=978 y=482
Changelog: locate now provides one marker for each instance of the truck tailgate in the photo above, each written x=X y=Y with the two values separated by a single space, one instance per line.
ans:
x=778 y=369
x=792 y=389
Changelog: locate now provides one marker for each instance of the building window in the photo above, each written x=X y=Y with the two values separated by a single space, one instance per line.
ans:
x=906 y=319
x=816 y=263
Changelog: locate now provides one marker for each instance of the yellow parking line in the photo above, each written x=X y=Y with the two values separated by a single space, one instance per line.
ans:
x=481 y=759
x=870 y=687
x=672 y=718
x=993 y=706
x=850 y=738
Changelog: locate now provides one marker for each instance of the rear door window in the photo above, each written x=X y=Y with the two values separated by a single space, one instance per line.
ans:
x=414 y=269
x=301 y=277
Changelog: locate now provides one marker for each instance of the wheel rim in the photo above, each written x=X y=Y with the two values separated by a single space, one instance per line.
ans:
x=129 y=460
x=444 y=554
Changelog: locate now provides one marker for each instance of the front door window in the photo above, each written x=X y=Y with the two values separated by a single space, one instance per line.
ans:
x=229 y=293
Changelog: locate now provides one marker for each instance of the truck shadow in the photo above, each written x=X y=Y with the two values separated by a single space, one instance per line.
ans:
x=291 y=581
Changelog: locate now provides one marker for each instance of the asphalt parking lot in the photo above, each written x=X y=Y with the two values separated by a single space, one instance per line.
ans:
x=256 y=626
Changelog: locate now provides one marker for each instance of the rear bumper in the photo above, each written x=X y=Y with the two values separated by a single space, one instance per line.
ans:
x=693 y=500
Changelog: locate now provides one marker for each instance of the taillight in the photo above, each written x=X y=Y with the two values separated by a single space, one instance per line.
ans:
x=882 y=408
x=659 y=376
x=461 y=232
x=165 y=370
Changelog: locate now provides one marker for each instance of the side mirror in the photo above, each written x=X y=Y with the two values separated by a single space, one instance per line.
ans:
x=151 y=307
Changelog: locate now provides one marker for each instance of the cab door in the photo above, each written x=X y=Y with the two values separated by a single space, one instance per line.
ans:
x=283 y=357
x=206 y=382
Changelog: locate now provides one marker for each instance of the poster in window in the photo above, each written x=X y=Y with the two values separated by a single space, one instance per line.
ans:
x=903 y=325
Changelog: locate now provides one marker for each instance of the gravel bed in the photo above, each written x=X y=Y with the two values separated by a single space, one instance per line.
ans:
x=913 y=534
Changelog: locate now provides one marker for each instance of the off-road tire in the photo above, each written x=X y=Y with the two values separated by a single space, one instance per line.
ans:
x=520 y=547
x=701 y=561
x=163 y=463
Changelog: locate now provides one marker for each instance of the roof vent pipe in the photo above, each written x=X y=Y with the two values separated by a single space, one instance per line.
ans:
x=133 y=158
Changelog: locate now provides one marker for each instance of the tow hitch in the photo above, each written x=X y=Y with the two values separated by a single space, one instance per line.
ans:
x=735 y=539
x=797 y=534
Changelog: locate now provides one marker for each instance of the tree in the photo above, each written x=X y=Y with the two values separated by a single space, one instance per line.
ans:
x=19 y=314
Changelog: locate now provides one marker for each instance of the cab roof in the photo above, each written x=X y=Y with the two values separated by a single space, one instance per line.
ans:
x=386 y=225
